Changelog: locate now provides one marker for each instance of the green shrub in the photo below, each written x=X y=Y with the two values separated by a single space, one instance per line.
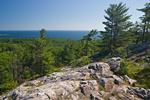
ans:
x=81 y=62
x=121 y=52
x=6 y=76
x=7 y=86
x=129 y=68
x=143 y=77
x=27 y=73
x=53 y=69
x=133 y=70
x=123 y=69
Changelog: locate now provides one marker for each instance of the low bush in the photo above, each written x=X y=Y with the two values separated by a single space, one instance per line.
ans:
x=133 y=70
x=121 y=52
x=129 y=68
x=7 y=86
x=143 y=78
x=81 y=61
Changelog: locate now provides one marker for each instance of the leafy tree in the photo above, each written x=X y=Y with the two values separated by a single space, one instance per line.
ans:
x=116 y=25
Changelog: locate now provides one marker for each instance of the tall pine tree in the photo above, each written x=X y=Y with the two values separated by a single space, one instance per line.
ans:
x=145 y=22
x=116 y=25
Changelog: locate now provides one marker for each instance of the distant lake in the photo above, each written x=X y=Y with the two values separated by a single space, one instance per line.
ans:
x=75 y=35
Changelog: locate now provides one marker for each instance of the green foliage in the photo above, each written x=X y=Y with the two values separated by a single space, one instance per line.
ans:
x=7 y=81
x=53 y=69
x=27 y=73
x=145 y=23
x=68 y=53
x=43 y=58
x=117 y=24
x=129 y=68
x=133 y=70
x=143 y=78
x=25 y=59
x=42 y=33
x=123 y=69
x=7 y=86
x=81 y=62
x=120 y=52
x=87 y=44
x=77 y=53
x=137 y=32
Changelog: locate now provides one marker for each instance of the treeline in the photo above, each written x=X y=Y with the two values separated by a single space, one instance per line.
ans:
x=26 y=59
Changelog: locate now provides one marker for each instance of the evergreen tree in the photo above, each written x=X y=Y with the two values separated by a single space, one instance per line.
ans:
x=42 y=55
x=145 y=22
x=137 y=31
x=68 y=53
x=116 y=25
x=7 y=80
x=42 y=33
x=86 y=42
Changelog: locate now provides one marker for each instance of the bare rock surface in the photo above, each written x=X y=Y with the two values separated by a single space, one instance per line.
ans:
x=95 y=81
x=114 y=63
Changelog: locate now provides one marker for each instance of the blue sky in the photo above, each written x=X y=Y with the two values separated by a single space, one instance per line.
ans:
x=59 y=14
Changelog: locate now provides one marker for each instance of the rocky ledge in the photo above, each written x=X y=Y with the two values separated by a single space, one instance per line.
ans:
x=95 y=81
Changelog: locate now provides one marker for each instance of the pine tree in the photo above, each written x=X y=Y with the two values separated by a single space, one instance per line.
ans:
x=116 y=24
x=42 y=33
x=86 y=41
x=68 y=53
x=145 y=22
x=137 y=32
x=42 y=55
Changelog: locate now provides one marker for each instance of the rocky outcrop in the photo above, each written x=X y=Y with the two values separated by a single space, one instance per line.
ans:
x=114 y=63
x=129 y=80
x=95 y=81
x=141 y=92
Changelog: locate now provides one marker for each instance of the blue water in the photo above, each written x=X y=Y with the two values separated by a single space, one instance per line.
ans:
x=75 y=35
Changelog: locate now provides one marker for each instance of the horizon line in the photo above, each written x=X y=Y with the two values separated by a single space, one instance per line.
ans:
x=40 y=29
